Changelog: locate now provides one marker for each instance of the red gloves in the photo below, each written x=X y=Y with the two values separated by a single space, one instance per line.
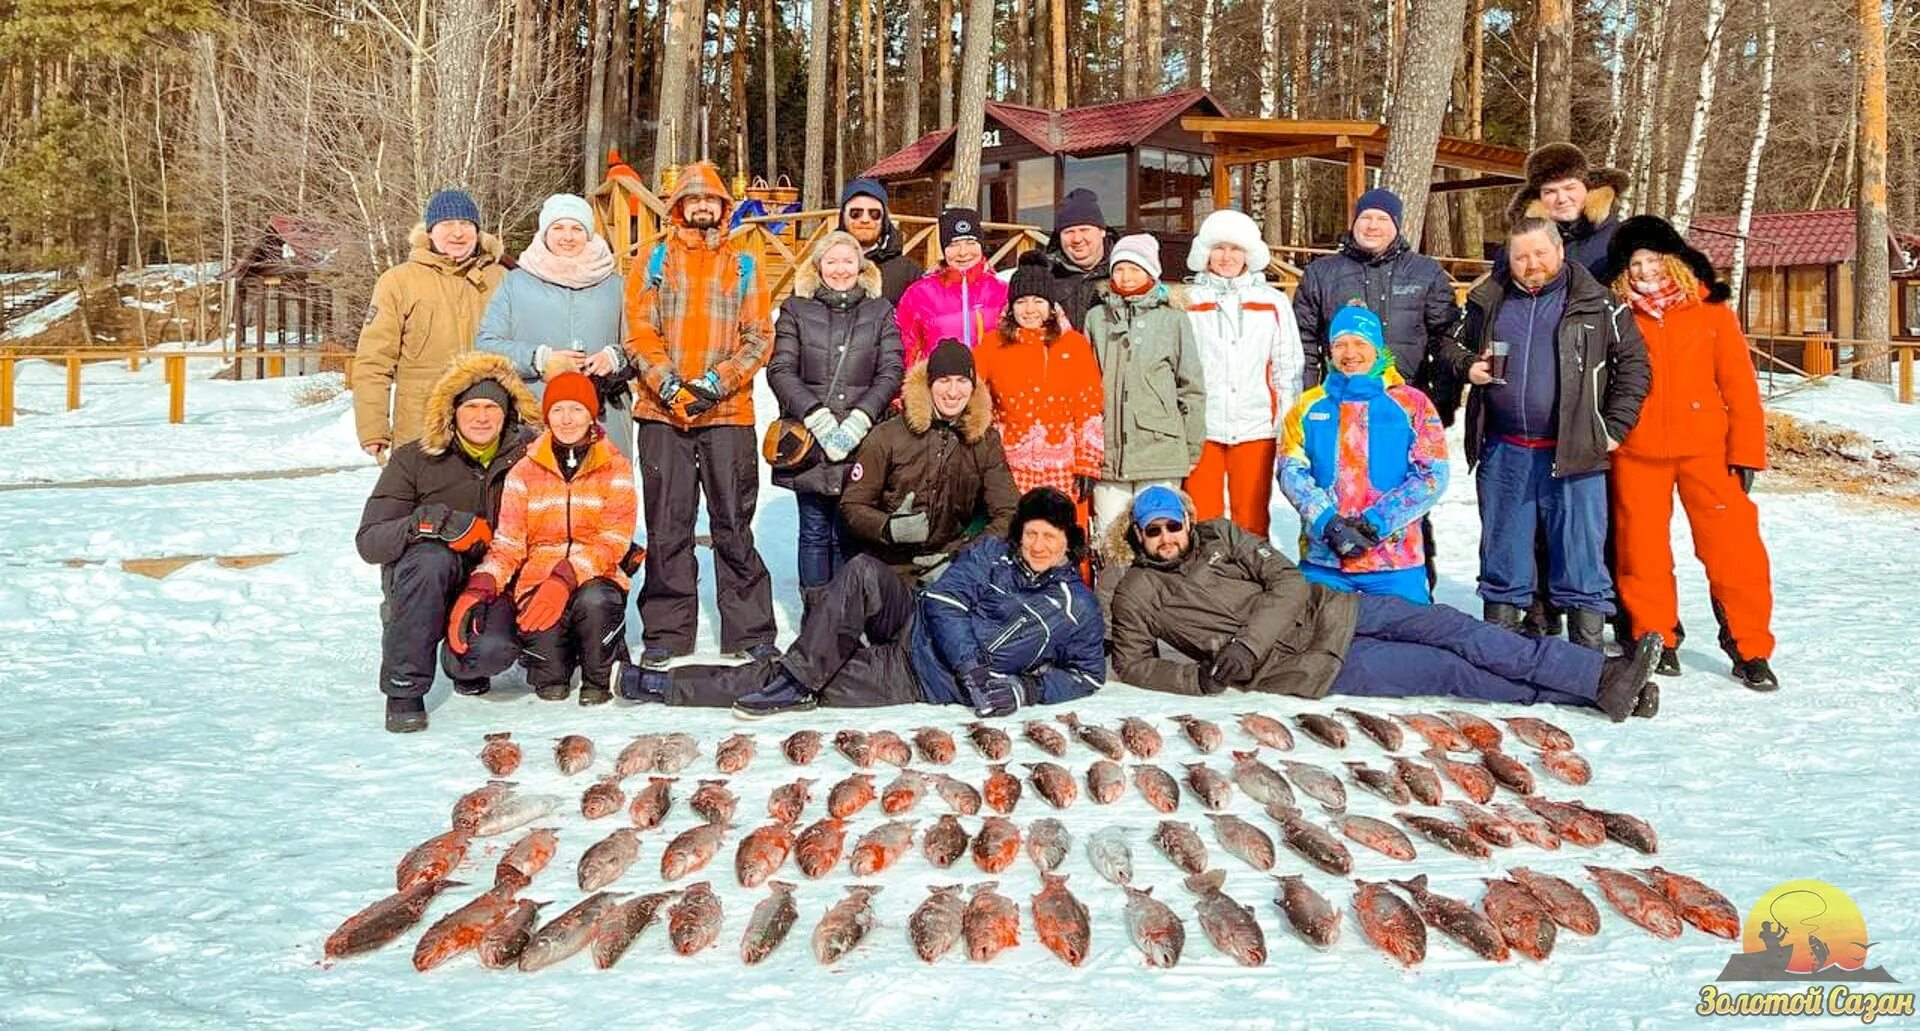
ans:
x=476 y=535
x=481 y=589
x=548 y=602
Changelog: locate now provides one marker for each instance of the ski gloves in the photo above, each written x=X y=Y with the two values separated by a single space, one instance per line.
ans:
x=691 y=398
x=907 y=526
x=461 y=531
x=1350 y=536
x=992 y=694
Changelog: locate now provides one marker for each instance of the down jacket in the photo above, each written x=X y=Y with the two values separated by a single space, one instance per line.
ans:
x=990 y=610
x=1156 y=391
x=547 y=520
x=1408 y=290
x=1250 y=348
x=949 y=305
x=808 y=340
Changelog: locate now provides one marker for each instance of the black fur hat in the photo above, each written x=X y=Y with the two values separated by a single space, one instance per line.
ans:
x=1553 y=162
x=1050 y=506
x=1653 y=233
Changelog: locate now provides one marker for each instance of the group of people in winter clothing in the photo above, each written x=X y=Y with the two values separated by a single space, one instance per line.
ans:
x=956 y=439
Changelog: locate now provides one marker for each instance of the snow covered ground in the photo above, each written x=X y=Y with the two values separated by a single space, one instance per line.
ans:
x=200 y=790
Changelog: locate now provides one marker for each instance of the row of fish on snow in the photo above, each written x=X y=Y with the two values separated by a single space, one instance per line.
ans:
x=1518 y=913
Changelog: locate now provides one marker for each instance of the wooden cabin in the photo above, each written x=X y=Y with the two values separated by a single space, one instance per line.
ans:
x=281 y=301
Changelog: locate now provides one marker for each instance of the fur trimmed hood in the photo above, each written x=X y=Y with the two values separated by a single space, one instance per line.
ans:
x=1652 y=233
x=488 y=247
x=916 y=405
x=1120 y=546
x=437 y=430
x=1556 y=161
x=806 y=279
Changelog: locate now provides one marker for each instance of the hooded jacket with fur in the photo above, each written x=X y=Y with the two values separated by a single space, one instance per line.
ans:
x=809 y=341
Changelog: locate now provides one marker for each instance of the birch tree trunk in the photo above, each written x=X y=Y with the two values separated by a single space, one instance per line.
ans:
x=1870 y=283
x=813 y=177
x=1206 y=44
x=1296 y=91
x=1616 y=79
x=916 y=65
x=596 y=95
x=943 y=45
x=1652 y=47
x=964 y=189
x=1689 y=182
x=1419 y=102
x=1553 y=21
x=1744 y=224
x=1272 y=80
x=769 y=39
x=459 y=63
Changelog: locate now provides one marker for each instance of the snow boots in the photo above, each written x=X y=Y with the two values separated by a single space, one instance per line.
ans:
x=1588 y=629
x=638 y=683
x=782 y=694
x=1669 y=665
x=1504 y=616
x=406 y=715
x=1623 y=679
x=476 y=686
x=1755 y=674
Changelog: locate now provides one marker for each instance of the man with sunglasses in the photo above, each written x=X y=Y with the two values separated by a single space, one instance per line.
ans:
x=1247 y=618
x=863 y=212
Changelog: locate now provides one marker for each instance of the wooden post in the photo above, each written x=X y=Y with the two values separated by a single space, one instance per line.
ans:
x=1906 y=376
x=176 y=388
x=73 y=381
x=6 y=389
x=276 y=366
x=1356 y=176
x=133 y=361
x=1222 y=183
x=259 y=344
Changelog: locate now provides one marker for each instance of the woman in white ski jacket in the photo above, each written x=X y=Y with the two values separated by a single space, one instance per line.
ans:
x=1250 y=349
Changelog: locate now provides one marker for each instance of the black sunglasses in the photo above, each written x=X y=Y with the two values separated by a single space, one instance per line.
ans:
x=864 y=214
x=1162 y=526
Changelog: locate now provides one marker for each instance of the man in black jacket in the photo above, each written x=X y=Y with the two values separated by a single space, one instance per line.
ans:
x=863 y=212
x=1077 y=254
x=1576 y=374
x=428 y=523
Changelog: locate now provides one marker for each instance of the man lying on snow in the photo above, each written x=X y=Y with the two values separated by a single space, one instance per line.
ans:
x=1249 y=619
x=1009 y=624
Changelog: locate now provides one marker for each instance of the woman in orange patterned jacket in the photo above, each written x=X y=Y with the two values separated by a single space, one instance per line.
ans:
x=566 y=524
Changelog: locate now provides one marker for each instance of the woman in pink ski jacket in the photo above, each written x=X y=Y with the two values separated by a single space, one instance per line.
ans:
x=961 y=299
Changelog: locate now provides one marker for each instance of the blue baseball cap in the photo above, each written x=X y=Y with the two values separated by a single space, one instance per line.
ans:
x=1157 y=502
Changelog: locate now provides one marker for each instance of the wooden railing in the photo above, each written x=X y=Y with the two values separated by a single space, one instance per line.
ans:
x=1820 y=359
x=274 y=365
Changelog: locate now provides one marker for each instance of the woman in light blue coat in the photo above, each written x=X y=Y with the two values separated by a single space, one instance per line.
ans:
x=563 y=309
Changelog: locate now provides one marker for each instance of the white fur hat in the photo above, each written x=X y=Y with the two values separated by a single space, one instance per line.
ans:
x=1229 y=226
x=569 y=206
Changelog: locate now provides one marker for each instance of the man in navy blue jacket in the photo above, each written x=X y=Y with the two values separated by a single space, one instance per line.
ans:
x=1010 y=623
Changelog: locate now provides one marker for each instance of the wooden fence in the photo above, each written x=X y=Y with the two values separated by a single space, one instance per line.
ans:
x=272 y=362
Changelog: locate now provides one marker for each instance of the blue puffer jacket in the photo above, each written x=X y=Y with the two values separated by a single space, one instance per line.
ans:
x=988 y=608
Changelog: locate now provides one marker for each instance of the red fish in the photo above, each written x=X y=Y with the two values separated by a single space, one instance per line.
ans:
x=762 y=852
x=997 y=845
x=476 y=805
x=638 y=756
x=691 y=851
x=527 y=857
x=801 y=747
x=573 y=753
x=506 y=938
x=769 y=924
x=606 y=860
x=1380 y=782
x=1106 y=782
x=788 y=801
x=621 y=925
x=1210 y=786
x=1422 y=783
x=1438 y=732
x=1002 y=789
x=385 y=920
x=945 y=842
x=734 y=753
x=1243 y=840
x=1378 y=835
x=693 y=922
x=460 y=930
x=1698 y=904
x=1566 y=765
x=1382 y=730
x=1572 y=823
x=854 y=745
x=903 y=794
x=1060 y=920
x=650 y=806
x=881 y=847
x=850 y=795
x=991 y=923
x=1522 y=920
x=1456 y=920
x=1048 y=739
x=1639 y=903
x=1511 y=773
x=1098 y=738
x=1531 y=827
x=1491 y=827
x=432 y=859
x=500 y=755
x=1479 y=733
x=602 y=798
x=991 y=742
x=1156 y=930
x=1474 y=779
x=1313 y=918
x=1203 y=735
x=1539 y=733
x=1053 y=783
x=1158 y=787
x=960 y=796
x=936 y=924
x=1322 y=728
x=817 y=849
x=935 y=745
x=1389 y=923
x=1267 y=731
x=714 y=801
x=675 y=752
x=846 y=925
x=1569 y=906
x=1182 y=846
x=1140 y=737
x=888 y=747
x=1229 y=925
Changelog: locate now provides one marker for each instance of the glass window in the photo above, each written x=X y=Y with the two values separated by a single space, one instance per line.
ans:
x=1106 y=176
x=1034 y=192
x=1763 y=301
x=1807 y=299
x=1176 y=190
x=1910 y=307
x=996 y=193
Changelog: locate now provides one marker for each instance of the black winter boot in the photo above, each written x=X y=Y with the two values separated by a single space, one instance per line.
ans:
x=638 y=684
x=782 y=694
x=1623 y=679
x=591 y=695
x=553 y=692
x=406 y=715
x=1588 y=629
x=476 y=686
x=1648 y=705
x=1543 y=620
x=1669 y=663
x=1502 y=615
x=1756 y=674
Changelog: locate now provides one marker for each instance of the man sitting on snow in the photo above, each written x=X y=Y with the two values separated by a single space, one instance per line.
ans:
x=1247 y=617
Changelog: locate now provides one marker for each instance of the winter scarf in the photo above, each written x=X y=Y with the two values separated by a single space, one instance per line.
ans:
x=577 y=273
x=1655 y=303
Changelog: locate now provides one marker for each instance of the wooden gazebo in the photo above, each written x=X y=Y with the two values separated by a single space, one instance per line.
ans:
x=280 y=298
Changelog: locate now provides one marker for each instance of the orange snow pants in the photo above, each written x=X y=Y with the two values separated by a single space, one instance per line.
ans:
x=1235 y=480
x=1726 y=537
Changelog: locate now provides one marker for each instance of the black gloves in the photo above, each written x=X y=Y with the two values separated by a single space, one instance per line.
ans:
x=1350 y=536
x=461 y=531
x=992 y=694
x=1233 y=665
x=430 y=521
x=1744 y=475
x=1083 y=487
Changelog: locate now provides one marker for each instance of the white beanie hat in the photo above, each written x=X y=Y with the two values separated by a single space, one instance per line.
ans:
x=1229 y=226
x=1141 y=249
x=565 y=205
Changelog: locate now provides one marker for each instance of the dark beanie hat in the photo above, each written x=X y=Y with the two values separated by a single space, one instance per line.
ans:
x=451 y=205
x=1380 y=199
x=1030 y=279
x=1079 y=207
x=1049 y=506
x=949 y=357
x=864 y=187
x=959 y=224
x=487 y=389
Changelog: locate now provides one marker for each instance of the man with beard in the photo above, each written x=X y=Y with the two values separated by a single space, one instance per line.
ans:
x=863 y=213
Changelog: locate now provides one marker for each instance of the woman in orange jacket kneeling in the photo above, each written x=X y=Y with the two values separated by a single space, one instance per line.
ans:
x=1701 y=432
x=561 y=550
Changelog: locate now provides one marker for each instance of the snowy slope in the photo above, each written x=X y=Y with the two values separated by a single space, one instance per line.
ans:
x=200 y=790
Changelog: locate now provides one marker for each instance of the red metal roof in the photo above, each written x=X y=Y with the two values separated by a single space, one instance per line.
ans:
x=908 y=159
x=1780 y=238
x=1075 y=131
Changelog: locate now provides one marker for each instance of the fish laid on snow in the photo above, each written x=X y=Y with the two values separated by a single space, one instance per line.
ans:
x=1261 y=782
x=786 y=802
x=1627 y=829
x=1539 y=733
x=1155 y=928
x=1054 y=783
x=1002 y=789
x=1393 y=927
x=514 y=812
x=1511 y=773
x=960 y=796
x=1572 y=823
x=1060 y=920
x=1157 y=786
x=526 y=858
x=1456 y=920
x=846 y=925
x=1310 y=841
x=991 y=742
x=1568 y=905
x=1204 y=735
x=935 y=746
x=690 y=851
x=1478 y=732
x=1243 y=840
x=1266 y=730
x=573 y=753
x=991 y=923
x=1322 y=728
x=1382 y=730
x=854 y=746
x=507 y=937
x=817 y=849
x=1096 y=737
x=1438 y=732
x=602 y=798
x=1048 y=843
x=500 y=755
x=1209 y=785
x=1421 y=781
x=714 y=801
x=1474 y=779
x=1140 y=737
x=761 y=852
x=881 y=847
x=622 y=925
x=1491 y=827
x=1107 y=850
x=1450 y=836
x=945 y=842
x=936 y=924
x=474 y=806
x=903 y=794
x=568 y=933
x=1106 y=781
x=650 y=805
x=1312 y=917
x=1520 y=918
x=1229 y=925
x=851 y=795
x=1532 y=828
x=1566 y=765
x=1046 y=738
x=1380 y=782
x=693 y=921
x=1639 y=902
x=677 y=751
x=889 y=747
x=460 y=930
x=801 y=747
x=1319 y=785
x=638 y=756
x=997 y=844
x=1378 y=835
x=432 y=859
x=1182 y=846
x=606 y=861
x=1698 y=904
x=734 y=753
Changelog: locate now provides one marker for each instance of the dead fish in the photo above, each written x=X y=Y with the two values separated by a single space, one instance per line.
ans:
x=1205 y=736
x=1261 y=782
x=607 y=859
x=714 y=801
x=1060 y=920
x=1456 y=920
x=888 y=747
x=1539 y=733
x=772 y=918
x=997 y=844
x=1053 y=783
x=650 y=806
x=1566 y=765
x=1511 y=773
x=935 y=745
x=1638 y=902
x=1572 y=823
x=991 y=742
x=474 y=806
x=960 y=796
x=1438 y=732
x=693 y=921
x=1155 y=928
x=1243 y=840
x=602 y=798
x=1380 y=782
x=1450 y=836
x=1478 y=732
x=573 y=753
x=1310 y=841
x=1266 y=730
x=1532 y=829
x=514 y=812
x=1229 y=925
x=1046 y=738
x=1312 y=917
x=568 y=933
x=850 y=795
x=846 y=925
x=622 y=926
x=903 y=794
x=1208 y=785
x=881 y=847
x=801 y=747
x=1324 y=729
x=692 y=850
x=1111 y=858
x=1382 y=730
x=734 y=753
x=677 y=751
x=500 y=755
x=1421 y=781
x=945 y=842
x=788 y=801
x=1319 y=785
x=1106 y=781
x=991 y=923
x=762 y=852
x=1474 y=779
x=1182 y=846
x=1627 y=829
x=853 y=744
x=1047 y=843
x=432 y=859
x=937 y=922
x=1521 y=920
x=638 y=756
x=1378 y=835
x=1698 y=904
x=817 y=849
x=1002 y=789
x=1140 y=737
x=460 y=930
x=1491 y=827
x=1158 y=787
x=507 y=937
x=1568 y=905
x=1096 y=737
x=1393 y=927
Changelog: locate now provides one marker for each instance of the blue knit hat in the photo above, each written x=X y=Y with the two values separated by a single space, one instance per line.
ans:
x=1380 y=199
x=1158 y=502
x=864 y=187
x=1358 y=320
x=451 y=205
